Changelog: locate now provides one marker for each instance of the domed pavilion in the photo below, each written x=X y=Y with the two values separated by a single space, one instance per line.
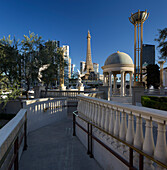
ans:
x=118 y=63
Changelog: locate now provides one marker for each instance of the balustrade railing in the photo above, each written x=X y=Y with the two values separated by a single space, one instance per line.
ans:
x=70 y=94
x=44 y=111
x=13 y=139
x=122 y=126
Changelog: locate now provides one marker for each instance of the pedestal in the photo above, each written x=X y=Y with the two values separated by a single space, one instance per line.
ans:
x=62 y=87
x=80 y=88
x=37 y=91
x=137 y=92
x=162 y=91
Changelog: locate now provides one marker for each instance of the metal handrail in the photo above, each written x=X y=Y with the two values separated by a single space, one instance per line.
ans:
x=124 y=142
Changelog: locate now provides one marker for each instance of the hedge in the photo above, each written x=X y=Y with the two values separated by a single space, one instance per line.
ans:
x=154 y=102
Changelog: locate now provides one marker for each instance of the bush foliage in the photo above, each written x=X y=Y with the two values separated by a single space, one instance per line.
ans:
x=154 y=102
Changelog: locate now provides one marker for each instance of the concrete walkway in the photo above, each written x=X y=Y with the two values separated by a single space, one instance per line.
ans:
x=54 y=148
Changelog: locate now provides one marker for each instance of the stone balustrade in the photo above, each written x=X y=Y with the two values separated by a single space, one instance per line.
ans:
x=140 y=127
x=43 y=111
x=71 y=94
x=12 y=140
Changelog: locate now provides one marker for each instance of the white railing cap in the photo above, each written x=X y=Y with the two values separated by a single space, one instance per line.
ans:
x=9 y=131
x=148 y=112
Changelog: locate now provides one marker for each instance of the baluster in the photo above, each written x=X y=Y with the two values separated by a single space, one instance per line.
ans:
x=103 y=116
x=160 y=152
x=116 y=128
x=86 y=110
x=95 y=113
x=79 y=106
x=130 y=130
x=111 y=120
x=99 y=115
x=95 y=116
x=117 y=123
x=148 y=145
x=123 y=127
x=138 y=139
x=89 y=110
x=106 y=127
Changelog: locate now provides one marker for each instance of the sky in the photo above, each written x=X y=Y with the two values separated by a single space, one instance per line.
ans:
x=68 y=21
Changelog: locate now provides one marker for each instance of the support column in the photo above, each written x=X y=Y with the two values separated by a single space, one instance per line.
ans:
x=115 y=79
x=130 y=84
x=161 y=75
x=104 y=79
x=110 y=84
x=122 y=83
x=125 y=84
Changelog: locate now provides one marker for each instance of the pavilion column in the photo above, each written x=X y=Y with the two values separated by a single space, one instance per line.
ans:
x=110 y=85
x=115 y=79
x=161 y=76
x=130 y=84
x=122 y=83
x=104 y=79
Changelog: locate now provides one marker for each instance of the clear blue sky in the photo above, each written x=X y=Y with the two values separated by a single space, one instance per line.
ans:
x=69 y=20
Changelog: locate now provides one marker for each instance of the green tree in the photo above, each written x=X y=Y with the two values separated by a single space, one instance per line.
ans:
x=54 y=62
x=31 y=58
x=162 y=40
x=10 y=59
x=153 y=76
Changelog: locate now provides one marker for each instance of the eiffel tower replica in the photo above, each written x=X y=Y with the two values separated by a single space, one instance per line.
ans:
x=89 y=71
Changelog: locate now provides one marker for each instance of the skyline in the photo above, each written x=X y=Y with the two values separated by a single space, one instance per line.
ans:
x=68 y=21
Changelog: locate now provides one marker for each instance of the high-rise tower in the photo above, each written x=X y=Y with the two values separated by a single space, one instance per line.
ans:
x=89 y=64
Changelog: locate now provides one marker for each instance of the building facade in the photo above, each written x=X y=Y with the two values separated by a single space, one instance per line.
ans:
x=96 y=68
x=148 y=54
x=67 y=68
x=82 y=66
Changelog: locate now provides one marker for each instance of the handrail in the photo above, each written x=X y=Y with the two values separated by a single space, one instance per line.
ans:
x=10 y=137
x=82 y=117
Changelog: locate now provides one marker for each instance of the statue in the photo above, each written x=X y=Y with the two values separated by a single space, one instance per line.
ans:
x=80 y=84
x=44 y=67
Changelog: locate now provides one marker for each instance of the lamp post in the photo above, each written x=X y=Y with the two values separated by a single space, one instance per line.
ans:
x=137 y=19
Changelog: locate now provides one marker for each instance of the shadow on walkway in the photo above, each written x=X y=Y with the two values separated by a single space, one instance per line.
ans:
x=54 y=148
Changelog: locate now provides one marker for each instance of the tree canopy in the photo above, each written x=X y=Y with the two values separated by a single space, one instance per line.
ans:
x=20 y=62
x=153 y=76
x=162 y=40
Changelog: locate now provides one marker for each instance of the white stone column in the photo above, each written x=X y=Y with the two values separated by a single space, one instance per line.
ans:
x=122 y=83
x=160 y=152
x=130 y=83
x=115 y=81
x=130 y=130
x=148 y=145
x=110 y=85
x=104 y=79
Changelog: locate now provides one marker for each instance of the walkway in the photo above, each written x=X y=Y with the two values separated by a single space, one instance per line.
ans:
x=53 y=147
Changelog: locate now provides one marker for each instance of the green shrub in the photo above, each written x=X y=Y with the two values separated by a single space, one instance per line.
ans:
x=154 y=102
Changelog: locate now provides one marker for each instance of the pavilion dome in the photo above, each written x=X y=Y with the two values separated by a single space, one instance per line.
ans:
x=118 y=58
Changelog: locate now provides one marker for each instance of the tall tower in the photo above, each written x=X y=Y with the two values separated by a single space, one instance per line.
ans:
x=89 y=64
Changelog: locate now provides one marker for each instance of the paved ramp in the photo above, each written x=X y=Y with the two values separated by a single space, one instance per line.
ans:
x=54 y=148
